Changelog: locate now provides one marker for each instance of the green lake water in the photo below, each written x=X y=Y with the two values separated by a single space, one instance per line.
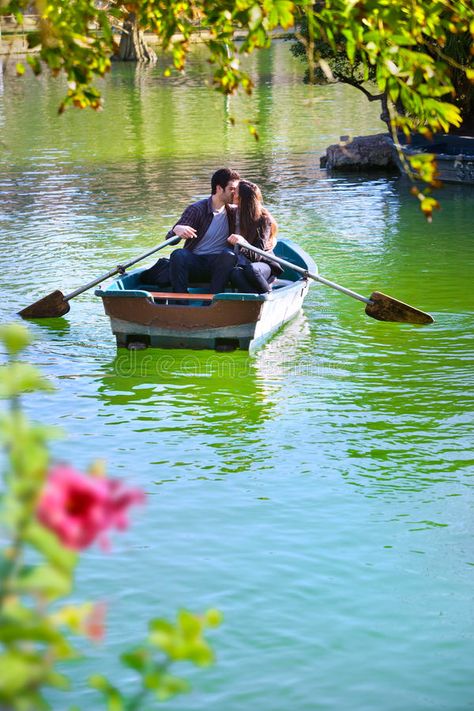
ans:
x=319 y=493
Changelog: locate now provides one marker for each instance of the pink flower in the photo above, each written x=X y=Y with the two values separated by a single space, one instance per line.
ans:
x=79 y=507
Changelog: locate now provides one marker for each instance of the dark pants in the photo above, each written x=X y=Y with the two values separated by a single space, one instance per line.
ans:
x=253 y=277
x=185 y=267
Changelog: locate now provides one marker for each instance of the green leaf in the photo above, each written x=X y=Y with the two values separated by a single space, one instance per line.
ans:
x=33 y=39
x=167 y=685
x=351 y=51
x=45 y=580
x=190 y=624
x=162 y=635
x=34 y=63
x=81 y=619
x=200 y=653
x=14 y=336
x=428 y=204
x=115 y=700
x=185 y=640
x=402 y=40
x=213 y=617
x=20 y=670
x=138 y=659
x=161 y=626
x=49 y=545
x=281 y=13
x=36 y=630
x=59 y=681
x=17 y=378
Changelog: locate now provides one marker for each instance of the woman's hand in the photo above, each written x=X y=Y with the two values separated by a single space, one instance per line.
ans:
x=185 y=231
x=235 y=239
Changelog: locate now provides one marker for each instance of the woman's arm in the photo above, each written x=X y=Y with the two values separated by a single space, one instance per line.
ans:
x=266 y=238
x=267 y=233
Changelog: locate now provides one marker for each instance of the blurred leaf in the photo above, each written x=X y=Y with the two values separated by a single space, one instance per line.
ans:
x=213 y=617
x=74 y=616
x=33 y=39
x=34 y=63
x=161 y=626
x=17 y=378
x=59 y=681
x=19 y=670
x=51 y=583
x=183 y=641
x=49 y=545
x=190 y=624
x=162 y=635
x=254 y=132
x=14 y=336
x=35 y=629
x=166 y=685
x=138 y=658
x=115 y=700
x=428 y=204
x=200 y=653
x=281 y=13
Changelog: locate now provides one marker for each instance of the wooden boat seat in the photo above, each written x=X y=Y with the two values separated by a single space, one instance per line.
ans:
x=167 y=296
x=182 y=297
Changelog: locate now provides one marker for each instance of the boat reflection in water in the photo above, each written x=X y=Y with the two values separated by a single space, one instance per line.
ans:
x=211 y=408
x=188 y=414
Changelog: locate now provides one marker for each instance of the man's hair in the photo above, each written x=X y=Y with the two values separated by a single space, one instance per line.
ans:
x=222 y=177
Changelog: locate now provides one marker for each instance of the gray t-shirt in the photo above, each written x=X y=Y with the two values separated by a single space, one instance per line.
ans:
x=215 y=239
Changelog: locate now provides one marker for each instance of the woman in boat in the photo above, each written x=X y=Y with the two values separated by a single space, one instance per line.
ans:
x=253 y=273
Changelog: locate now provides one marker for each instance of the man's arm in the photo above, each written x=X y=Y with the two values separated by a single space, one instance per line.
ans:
x=188 y=224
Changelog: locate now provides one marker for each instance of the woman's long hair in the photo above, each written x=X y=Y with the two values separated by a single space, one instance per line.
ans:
x=251 y=209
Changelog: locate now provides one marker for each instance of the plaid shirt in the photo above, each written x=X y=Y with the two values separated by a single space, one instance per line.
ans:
x=199 y=215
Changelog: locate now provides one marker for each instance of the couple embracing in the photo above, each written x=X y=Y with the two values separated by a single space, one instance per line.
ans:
x=212 y=229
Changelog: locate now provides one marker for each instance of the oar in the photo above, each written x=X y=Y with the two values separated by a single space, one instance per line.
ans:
x=378 y=305
x=56 y=304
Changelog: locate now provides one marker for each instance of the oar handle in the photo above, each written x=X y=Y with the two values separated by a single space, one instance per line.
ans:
x=304 y=272
x=119 y=268
x=342 y=289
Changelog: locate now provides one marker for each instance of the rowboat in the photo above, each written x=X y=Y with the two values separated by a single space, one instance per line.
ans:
x=454 y=156
x=141 y=316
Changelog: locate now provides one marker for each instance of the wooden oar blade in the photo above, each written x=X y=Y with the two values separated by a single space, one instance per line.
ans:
x=49 y=306
x=386 y=308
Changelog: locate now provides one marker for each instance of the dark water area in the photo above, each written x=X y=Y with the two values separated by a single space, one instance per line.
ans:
x=319 y=493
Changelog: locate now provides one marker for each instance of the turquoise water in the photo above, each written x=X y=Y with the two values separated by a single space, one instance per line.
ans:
x=319 y=493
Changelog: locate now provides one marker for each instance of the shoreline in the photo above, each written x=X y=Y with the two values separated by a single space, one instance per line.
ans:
x=13 y=39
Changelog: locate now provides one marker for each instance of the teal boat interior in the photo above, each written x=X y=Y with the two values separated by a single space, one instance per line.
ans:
x=130 y=284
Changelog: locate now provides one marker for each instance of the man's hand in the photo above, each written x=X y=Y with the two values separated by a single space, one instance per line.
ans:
x=235 y=239
x=185 y=231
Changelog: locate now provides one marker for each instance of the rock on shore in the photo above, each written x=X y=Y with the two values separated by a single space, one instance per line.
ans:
x=361 y=153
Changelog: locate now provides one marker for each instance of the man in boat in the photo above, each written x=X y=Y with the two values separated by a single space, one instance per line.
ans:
x=205 y=226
